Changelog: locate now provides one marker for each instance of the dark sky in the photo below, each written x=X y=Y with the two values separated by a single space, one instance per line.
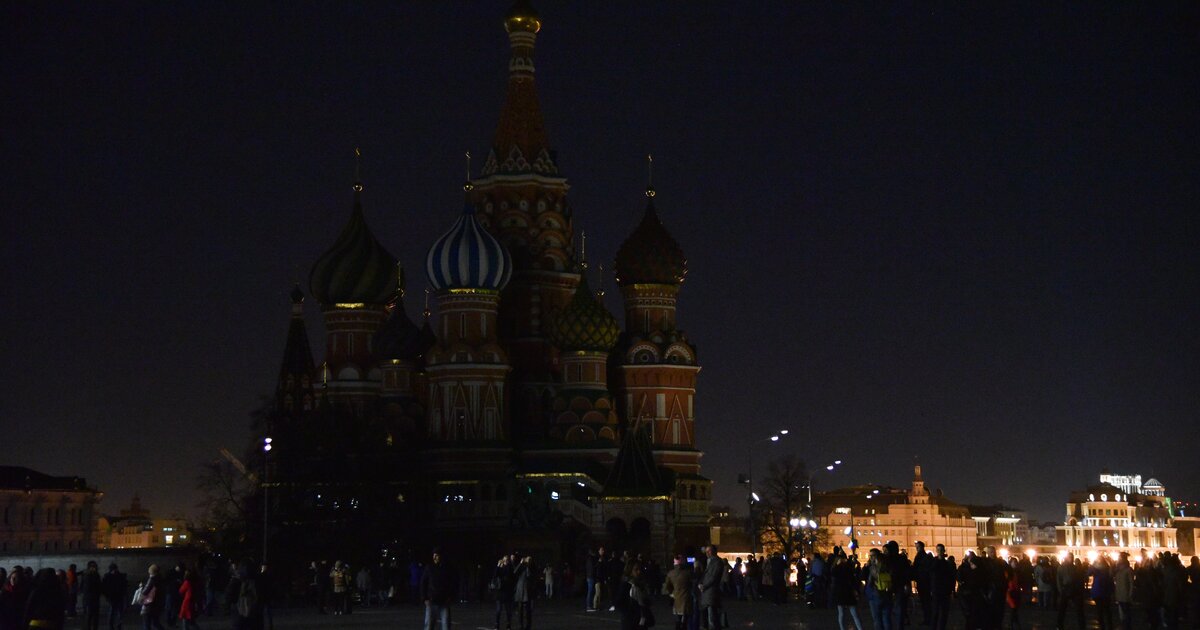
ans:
x=961 y=232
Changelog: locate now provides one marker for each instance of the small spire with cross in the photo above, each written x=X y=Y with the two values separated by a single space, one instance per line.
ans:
x=649 y=175
x=358 y=170
x=467 y=185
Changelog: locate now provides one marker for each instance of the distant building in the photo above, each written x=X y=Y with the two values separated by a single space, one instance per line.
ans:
x=1043 y=534
x=999 y=525
x=873 y=515
x=729 y=531
x=134 y=528
x=1106 y=518
x=1152 y=488
x=1130 y=484
x=42 y=513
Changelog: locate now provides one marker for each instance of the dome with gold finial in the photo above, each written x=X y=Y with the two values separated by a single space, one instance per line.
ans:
x=522 y=17
x=584 y=324
x=650 y=255
x=356 y=269
x=467 y=256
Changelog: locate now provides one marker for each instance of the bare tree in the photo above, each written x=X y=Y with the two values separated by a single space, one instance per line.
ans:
x=784 y=494
x=225 y=489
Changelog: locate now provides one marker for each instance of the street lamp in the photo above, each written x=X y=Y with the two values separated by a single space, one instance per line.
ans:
x=267 y=446
x=829 y=468
x=751 y=496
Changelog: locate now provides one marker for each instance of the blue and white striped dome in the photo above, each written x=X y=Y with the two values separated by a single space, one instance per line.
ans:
x=468 y=257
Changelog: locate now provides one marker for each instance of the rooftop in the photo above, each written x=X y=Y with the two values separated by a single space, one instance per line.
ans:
x=21 y=478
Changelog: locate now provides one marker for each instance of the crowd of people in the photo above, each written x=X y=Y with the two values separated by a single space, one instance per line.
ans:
x=179 y=597
x=988 y=591
x=985 y=591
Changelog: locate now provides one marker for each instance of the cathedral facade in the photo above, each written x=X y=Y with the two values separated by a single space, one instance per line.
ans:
x=518 y=412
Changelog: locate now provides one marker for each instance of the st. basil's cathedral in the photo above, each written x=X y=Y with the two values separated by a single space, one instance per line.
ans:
x=521 y=415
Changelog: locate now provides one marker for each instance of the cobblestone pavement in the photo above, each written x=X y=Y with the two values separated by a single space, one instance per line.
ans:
x=568 y=615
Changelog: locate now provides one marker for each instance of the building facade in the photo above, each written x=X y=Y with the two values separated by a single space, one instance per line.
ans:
x=520 y=410
x=1000 y=525
x=1106 y=518
x=40 y=513
x=135 y=528
x=872 y=515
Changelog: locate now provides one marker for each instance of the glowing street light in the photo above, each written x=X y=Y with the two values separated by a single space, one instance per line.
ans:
x=752 y=497
x=795 y=523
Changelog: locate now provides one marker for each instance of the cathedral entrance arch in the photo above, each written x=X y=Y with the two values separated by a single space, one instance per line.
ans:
x=639 y=536
x=617 y=532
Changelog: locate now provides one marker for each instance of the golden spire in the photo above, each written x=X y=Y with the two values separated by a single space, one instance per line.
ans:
x=426 y=312
x=600 y=289
x=400 y=279
x=649 y=175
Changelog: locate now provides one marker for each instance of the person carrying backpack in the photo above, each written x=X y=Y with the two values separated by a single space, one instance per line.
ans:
x=880 y=589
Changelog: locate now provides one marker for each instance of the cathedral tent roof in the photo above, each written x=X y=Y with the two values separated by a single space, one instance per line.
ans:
x=635 y=474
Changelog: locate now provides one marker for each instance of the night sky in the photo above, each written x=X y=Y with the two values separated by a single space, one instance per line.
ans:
x=962 y=233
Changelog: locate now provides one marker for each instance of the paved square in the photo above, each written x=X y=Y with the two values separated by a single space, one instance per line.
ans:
x=569 y=615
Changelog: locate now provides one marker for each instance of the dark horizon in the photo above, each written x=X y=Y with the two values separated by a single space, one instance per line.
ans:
x=963 y=234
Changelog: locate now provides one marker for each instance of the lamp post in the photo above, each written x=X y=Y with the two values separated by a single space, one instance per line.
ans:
x=751 y=496
x=811 y=520
x=266 y=478
x=828 y=468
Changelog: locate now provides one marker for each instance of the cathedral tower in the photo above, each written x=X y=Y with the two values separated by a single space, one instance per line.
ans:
x=400 y=347
x=584 y=332
x=294 y=395
x=467 y=367
x=353 y=280
x=657 y=364
x=521 y=198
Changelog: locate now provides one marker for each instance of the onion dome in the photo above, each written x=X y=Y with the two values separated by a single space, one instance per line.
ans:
x=468 y=257
x=584 y=324
x=650 y=255
x=357 y=269
x=522 y=17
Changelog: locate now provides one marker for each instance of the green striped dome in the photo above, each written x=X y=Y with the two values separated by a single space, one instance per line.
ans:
x=357 y=269
x=584 y=324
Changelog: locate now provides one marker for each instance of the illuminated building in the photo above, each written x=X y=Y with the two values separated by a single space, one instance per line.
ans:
x=43 y=513
x=1106 y=518
x=1132 y=484
x=134 y=528
x=873 y=515
x=999 y=525
x=520 y=411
